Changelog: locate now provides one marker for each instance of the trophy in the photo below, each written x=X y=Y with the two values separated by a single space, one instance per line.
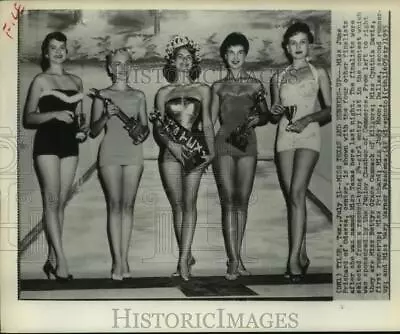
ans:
x=239 y=136
x=80 y=119
x=290 y=113
x=141 y=132
x=195 y=146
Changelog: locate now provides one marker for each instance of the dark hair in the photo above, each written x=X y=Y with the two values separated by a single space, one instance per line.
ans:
x=234 y=38
x=169 y=70
x=58 y=36
x=294 y=29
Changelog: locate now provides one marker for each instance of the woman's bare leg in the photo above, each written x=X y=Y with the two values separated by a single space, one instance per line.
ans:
x=112 y=179
x=285 y=161
x=245 y=173
x=48 y=168
x=67 y=175
x=304 y=163
x=130 y=183
x=224 y=172
x=190 y=191
x=172 y=180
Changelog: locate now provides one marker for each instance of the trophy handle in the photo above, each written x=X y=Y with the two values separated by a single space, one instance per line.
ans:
x=154 y=116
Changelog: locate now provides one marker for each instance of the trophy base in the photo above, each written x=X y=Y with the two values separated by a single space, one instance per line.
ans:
x=80 y=137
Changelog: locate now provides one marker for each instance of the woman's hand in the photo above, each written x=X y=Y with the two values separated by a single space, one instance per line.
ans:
x=253 y=121
x=65 y=116
x=277 y=110
x=111 y=110
x=139 y=133
x=207 y=162
x=83 y=133
x=299 y=125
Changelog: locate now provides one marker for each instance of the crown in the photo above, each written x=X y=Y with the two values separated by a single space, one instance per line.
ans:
x=178 y=41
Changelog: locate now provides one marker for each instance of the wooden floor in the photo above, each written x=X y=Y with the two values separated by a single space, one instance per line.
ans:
x=153 y=253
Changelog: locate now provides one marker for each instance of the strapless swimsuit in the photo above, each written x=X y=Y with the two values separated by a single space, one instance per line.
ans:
x=234 y=110
x=117 y=146
x=56 y=137
x=187 y=112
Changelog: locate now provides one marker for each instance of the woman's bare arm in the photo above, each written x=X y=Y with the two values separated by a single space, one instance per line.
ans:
x=159 y=104
x=324 y=115
x=208 y=126
x=32 y=116
x=265 y=114
x=215 y=103
x=275 y=97
x=98 y=118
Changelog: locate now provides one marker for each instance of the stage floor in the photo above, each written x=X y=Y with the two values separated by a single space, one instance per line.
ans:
x=153 y=253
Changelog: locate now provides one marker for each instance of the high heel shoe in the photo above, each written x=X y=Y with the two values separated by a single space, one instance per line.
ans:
x=299 y=278
x=304 y=269
x=232 y=276
x=192 y=262
x=48 y=269
x=185 y=275
x=62 y=278
x=116 y=277
x=242 y=270
x=127 y=274
x=296 y=278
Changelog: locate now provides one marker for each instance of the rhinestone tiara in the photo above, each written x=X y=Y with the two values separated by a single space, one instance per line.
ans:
x=178 y=41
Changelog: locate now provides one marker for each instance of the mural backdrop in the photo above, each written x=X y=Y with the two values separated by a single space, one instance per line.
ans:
x=92 y=33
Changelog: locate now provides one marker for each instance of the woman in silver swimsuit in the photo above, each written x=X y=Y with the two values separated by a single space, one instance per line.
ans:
x=298 y=140
x=187 y=102
x=120 y=161
x=53 y=99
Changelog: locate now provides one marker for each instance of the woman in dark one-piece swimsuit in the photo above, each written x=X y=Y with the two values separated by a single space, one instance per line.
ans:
x=187 y=102
x=234 y=169
x=51 y=105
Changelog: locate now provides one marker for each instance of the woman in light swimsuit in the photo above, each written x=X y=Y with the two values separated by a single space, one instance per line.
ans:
x=120 y=161
x=53 y=99
x=232 y=99
x=187 y=102
x=298 y=142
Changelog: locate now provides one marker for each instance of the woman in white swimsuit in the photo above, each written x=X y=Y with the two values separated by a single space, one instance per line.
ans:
x=298 y=141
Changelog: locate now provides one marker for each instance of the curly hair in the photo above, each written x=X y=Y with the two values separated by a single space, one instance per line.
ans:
x=112 y=53
x=58 y=36
x=294 y=29
x=234 y=38
x=169 y=70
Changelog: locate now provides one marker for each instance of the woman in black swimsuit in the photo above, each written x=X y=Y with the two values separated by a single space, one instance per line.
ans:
x=53 y=99
x=187 y=102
